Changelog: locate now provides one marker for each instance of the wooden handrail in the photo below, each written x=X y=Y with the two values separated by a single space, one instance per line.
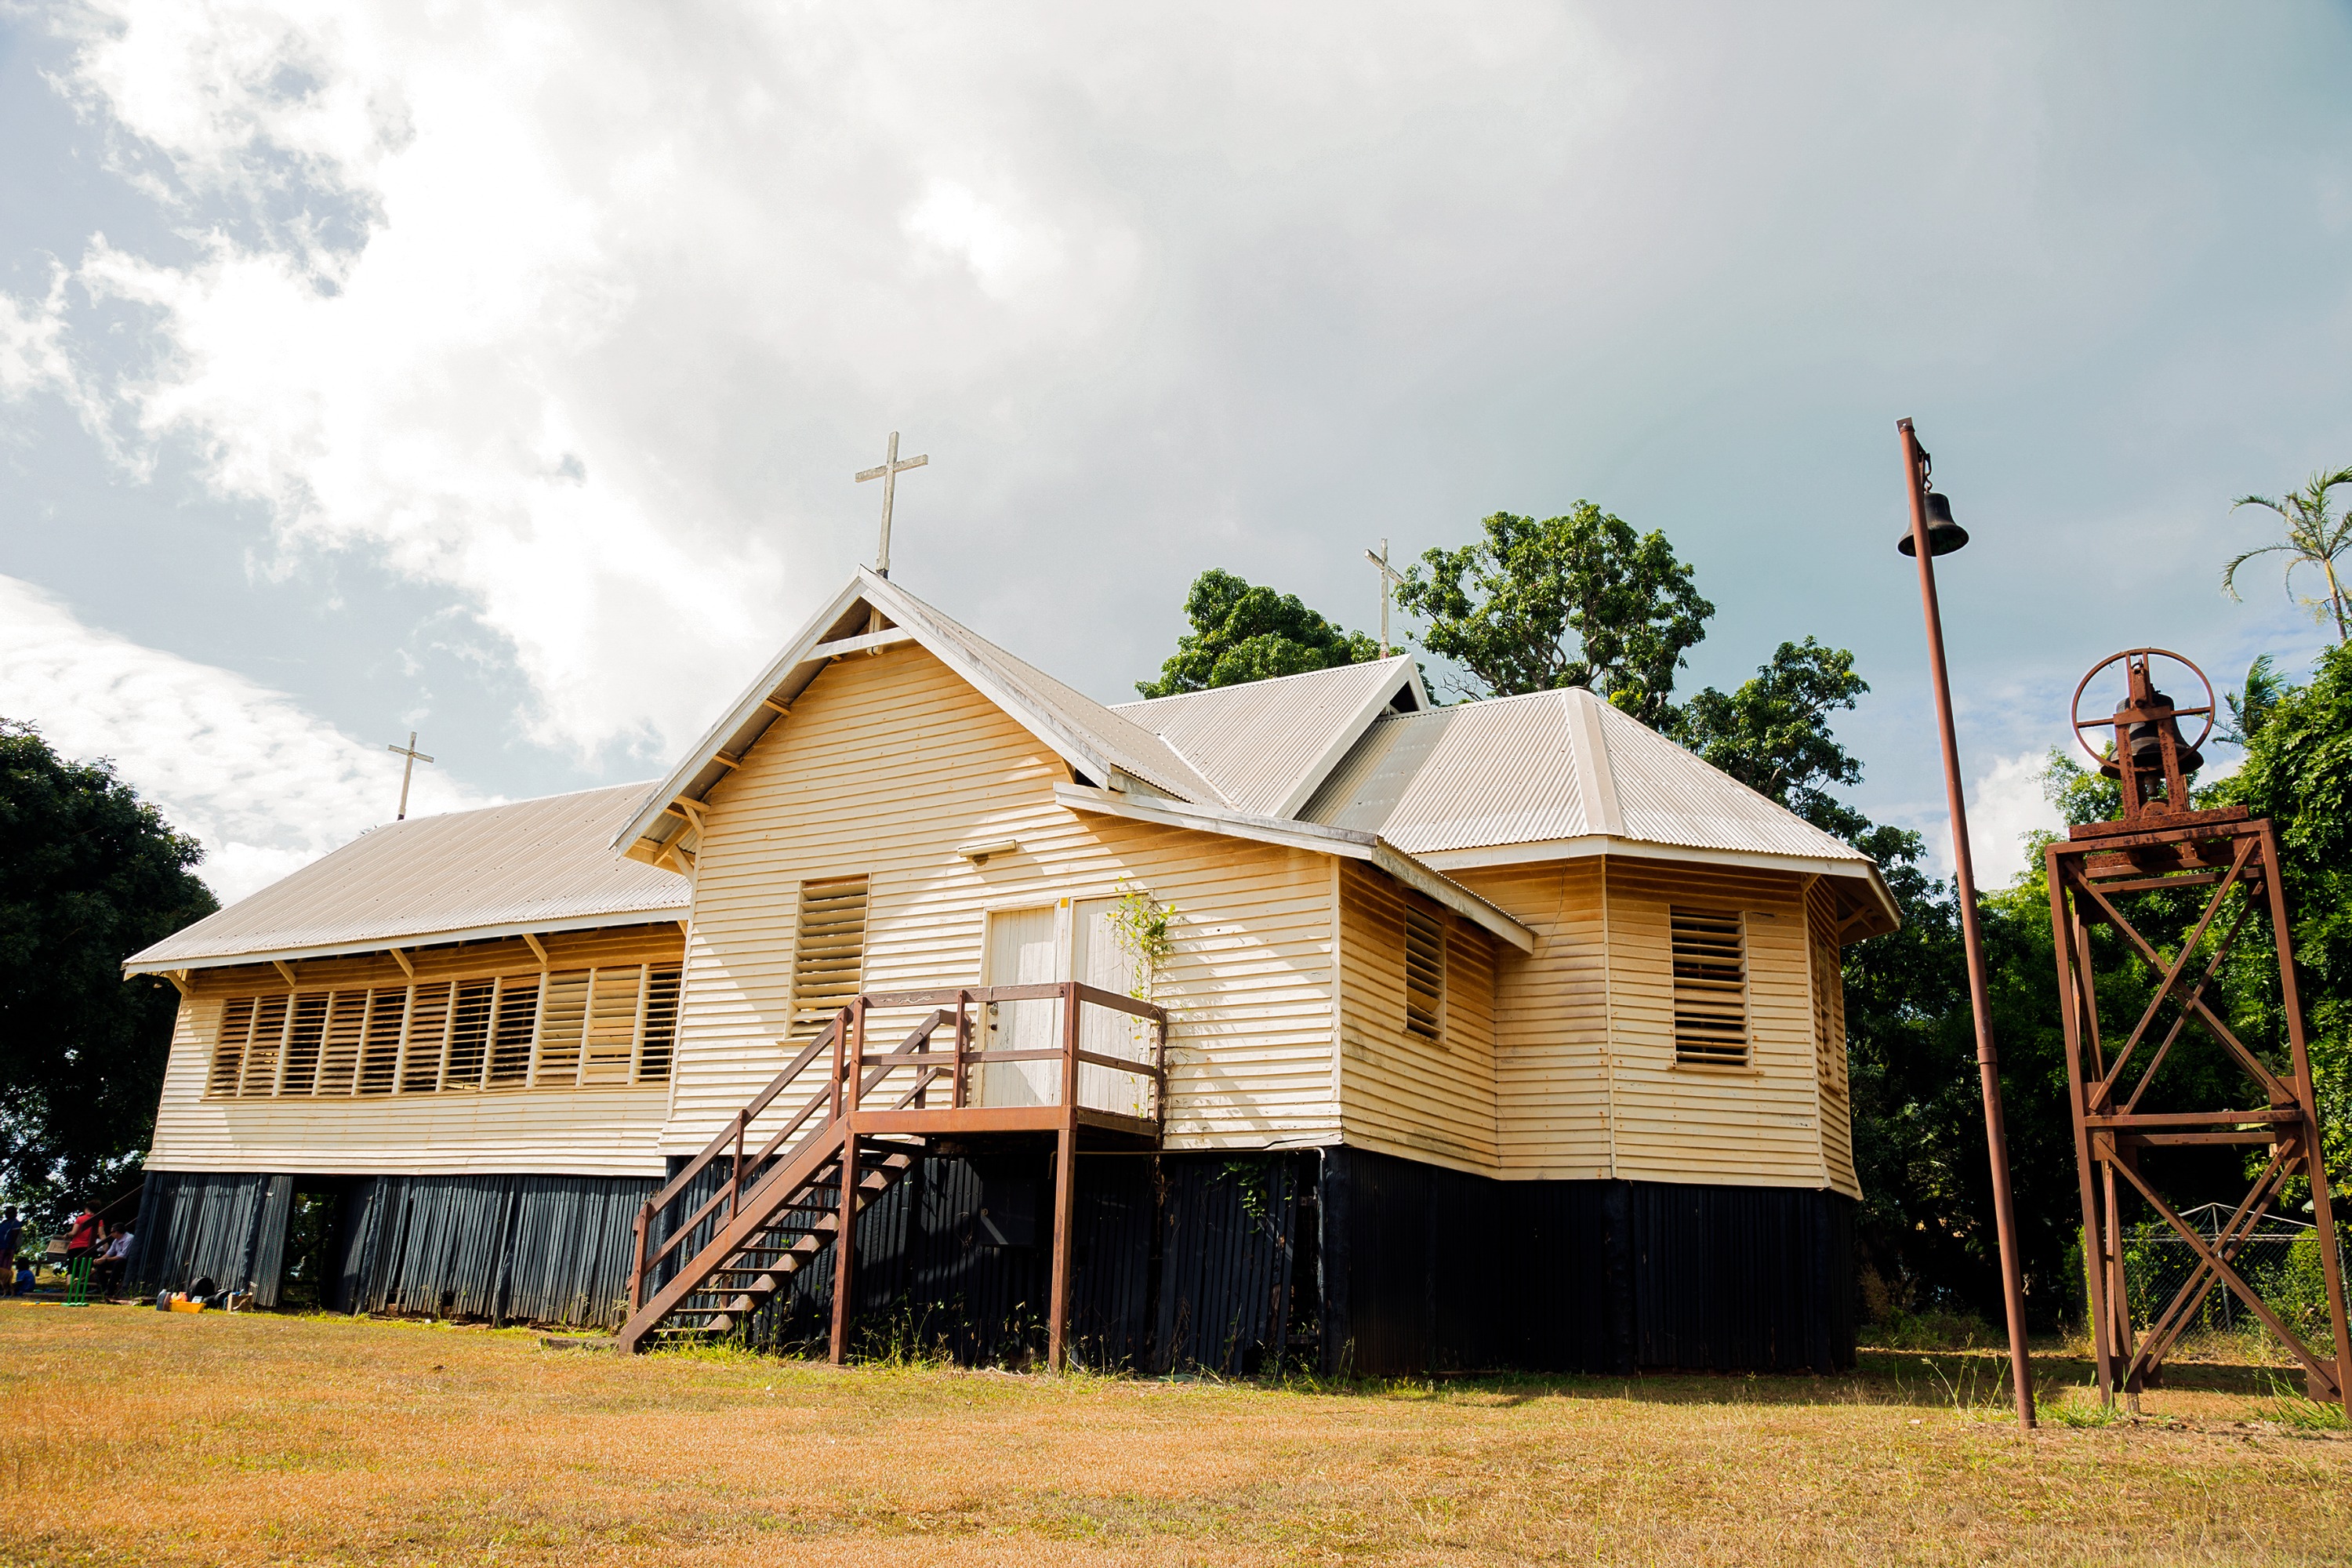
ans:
x=746 y=1197
x=873 y=1080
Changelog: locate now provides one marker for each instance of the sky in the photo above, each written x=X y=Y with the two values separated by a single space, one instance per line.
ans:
x=499 y=371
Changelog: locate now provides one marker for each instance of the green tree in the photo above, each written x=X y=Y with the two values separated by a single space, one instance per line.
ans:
x=2315 y=536
x=1243 y=633
x=1578 y=600
x=2298 y=773
x=88 y=874
x=1773 y=733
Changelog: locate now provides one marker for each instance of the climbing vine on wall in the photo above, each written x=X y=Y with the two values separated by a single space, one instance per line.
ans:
x=1143 y=924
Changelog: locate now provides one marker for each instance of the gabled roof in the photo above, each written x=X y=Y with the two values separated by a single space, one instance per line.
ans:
x=1548 y=776
x=1096 y=742
x=532 y=865
x=1267 y=744
x=1554 y=774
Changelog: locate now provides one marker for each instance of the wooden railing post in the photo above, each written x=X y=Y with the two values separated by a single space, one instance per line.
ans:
x=963 y=1047
x=1065 y=1185
x=637 y=1269
x=735 y=1175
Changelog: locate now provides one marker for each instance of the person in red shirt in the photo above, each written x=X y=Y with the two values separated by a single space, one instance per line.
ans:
x=82 y=1234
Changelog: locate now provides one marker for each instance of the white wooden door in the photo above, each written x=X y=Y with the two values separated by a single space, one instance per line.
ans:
x=1022 y=951
x=1098 y=957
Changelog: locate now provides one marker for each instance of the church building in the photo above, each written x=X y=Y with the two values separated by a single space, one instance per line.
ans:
x=928 y=1002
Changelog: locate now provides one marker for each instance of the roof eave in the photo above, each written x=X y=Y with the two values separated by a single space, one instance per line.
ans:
x=1858 y=868
x=140 y=963
x=1290 y=834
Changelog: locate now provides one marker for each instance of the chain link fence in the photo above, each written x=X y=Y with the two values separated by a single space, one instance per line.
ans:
x=2281 y=1260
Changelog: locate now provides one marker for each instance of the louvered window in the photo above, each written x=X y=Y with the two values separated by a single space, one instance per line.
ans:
x=338 y=1054
x=1424 y=974
x=829 y=955
x=616 y=996
x=270 y=1014
x=562 y=1029
x=228 y=1046
x=428 y=1039
x=380 y=1054
x=518 y=1029
x=470 y=1033
x=1710 y=987
x=660 y=1029
x=567 y=1029
x=302 y=1042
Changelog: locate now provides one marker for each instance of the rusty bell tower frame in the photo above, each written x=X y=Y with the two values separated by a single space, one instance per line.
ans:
x=2160 y=843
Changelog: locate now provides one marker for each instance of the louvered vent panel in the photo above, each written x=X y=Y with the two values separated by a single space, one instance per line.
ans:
x=517 y=1025
x=562 y=1025
x=380 y=1054
x=339 y=1054
x=1424 y=974
x=428 y=1039
x=660 y=1027
x=470 y=1033
x=228 y=1046
x=829 y=953
x=1829 y=1020
x=269 y=1015
x=303 y=1040
x=612 y=1031
x=1710 y=987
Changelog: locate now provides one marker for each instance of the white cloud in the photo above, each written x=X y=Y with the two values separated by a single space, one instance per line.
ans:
x=2005 y=804
x=264 y=787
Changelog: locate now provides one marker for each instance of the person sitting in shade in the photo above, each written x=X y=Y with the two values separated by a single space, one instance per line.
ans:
x=26 y=1282
x=105 y=1273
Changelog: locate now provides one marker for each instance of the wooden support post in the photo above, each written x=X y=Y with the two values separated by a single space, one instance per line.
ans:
x=1065 y=1187
x=845 y=1234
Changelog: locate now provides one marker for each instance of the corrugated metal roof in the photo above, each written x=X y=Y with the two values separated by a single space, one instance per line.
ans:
x=1514 y=770
x=1266 y=743
x=532 y=863
x=1670 y=796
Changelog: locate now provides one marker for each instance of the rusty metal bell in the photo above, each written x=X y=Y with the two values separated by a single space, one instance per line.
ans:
x=2144 y=738
x=1944 y=535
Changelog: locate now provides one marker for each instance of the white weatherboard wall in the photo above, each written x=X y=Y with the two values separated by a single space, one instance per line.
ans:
x=887 y=764
x=599 y=1130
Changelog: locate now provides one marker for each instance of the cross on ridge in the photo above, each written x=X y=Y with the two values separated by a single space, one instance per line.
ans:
x=1388 y=580
x=406 y=768
x=888 y=474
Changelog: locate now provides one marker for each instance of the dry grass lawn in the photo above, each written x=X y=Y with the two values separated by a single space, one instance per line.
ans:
x=140 y=1438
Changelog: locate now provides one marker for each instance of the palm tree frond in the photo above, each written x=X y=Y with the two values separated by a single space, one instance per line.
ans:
x=2230 y=573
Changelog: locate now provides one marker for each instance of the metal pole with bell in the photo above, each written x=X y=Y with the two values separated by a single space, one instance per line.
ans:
x=1933 y=532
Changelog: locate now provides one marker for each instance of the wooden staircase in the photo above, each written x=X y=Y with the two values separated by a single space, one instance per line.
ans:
x=778 y=1204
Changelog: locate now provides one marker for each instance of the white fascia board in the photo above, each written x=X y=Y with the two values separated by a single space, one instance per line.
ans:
x=1858 y=870
x=1311 y=780
x=670 y=914
x=737 y=715
x=1341 y=841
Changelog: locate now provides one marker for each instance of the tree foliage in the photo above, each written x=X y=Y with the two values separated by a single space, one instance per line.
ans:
x=2298 y=772
x=88 y=874
x=1243 y=633
x=1578 y=600
x=2318 y=535
x=1773 y=733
